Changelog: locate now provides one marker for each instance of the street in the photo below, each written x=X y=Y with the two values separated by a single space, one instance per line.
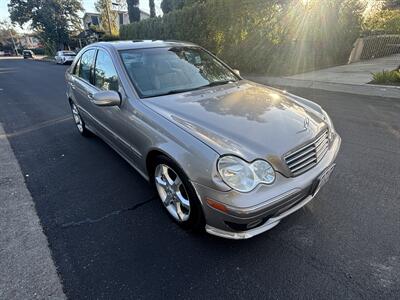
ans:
x=110 y=238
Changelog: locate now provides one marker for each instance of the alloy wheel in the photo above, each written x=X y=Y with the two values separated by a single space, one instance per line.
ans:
x=77 y=117
x=172 y=192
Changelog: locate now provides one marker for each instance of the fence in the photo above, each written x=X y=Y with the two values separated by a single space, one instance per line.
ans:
x=375 y=47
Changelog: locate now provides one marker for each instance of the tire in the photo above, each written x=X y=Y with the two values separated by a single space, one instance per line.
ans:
x=195 y=217
x=79 y=123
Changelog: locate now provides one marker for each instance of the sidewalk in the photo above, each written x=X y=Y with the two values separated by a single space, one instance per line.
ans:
x=27 y=268
x=351 y=78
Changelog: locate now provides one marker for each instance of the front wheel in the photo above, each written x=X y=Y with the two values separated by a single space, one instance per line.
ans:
x=177 y=194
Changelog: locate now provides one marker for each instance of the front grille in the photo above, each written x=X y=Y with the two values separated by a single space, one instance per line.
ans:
x=308 y=156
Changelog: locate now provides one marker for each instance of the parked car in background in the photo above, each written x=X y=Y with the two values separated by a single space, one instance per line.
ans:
x=225 y=154
x=28 y=54
x=65 y=57
x=8 y=53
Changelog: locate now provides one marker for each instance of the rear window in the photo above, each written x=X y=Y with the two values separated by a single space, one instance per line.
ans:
x=68 y=54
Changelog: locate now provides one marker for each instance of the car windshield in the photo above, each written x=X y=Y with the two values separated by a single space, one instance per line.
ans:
x=164 y=71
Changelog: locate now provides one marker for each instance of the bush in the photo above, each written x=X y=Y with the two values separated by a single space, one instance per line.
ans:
x=275 y=37
x=386 y=77
x=385 y=21
x=108 y=37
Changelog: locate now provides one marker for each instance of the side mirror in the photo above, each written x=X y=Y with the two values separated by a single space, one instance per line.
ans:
x=106 y=98
x=237 y=72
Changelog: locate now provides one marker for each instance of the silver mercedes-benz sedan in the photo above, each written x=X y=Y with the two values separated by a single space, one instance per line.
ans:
x=225 y=154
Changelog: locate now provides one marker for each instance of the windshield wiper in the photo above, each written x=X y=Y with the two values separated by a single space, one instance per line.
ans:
x=221 y=82
x=178 y=91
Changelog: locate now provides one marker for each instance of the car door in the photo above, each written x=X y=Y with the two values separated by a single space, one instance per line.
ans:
x=114 y=118
x=83 y=89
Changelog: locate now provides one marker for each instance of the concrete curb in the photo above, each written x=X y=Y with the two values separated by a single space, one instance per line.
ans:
x=359 y=89
x=28 y=270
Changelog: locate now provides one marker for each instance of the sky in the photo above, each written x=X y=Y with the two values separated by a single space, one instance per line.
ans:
x=88 y=5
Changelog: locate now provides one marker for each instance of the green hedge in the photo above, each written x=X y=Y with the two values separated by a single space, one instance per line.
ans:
x=261 y=36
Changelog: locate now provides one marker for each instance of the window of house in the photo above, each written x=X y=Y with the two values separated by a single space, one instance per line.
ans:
x=95 y=20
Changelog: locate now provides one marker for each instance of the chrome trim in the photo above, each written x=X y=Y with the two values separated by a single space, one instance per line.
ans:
x=272 y=222
x=308 y=156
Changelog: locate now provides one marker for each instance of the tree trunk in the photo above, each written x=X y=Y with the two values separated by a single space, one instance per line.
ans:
x=152 y=9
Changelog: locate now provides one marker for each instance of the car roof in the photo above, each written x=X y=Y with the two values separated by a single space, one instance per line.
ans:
x=141 y=44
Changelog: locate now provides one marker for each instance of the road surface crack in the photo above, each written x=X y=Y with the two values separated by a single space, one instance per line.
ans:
x=113 y=213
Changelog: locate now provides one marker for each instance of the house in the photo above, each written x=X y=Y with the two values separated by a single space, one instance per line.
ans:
x=122 y=18
x=28 y=41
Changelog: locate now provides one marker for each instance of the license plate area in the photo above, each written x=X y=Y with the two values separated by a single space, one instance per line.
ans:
x=322 y=179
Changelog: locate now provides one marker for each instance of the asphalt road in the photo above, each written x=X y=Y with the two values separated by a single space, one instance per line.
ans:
x=110 y=238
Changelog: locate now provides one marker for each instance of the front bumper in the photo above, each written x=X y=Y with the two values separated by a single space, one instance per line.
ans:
x=67 y=60
x=249 y=214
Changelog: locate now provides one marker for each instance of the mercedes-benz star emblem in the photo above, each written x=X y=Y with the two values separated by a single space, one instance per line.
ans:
x=306 y=123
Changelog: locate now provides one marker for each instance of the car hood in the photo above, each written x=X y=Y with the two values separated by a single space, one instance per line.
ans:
x=244 y=118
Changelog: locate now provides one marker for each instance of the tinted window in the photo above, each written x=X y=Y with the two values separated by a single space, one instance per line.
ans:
x=105 y=74
x=161 y=71
x=86 y=64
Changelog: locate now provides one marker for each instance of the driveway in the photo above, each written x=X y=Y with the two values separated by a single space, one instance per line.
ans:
x=110 y=238
x=356 y=73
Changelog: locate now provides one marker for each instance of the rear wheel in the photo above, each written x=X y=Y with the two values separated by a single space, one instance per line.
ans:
x=80 y=124
x=177 y=194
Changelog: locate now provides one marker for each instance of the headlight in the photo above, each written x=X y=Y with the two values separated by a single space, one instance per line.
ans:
x=328 y=120
x=242 y=176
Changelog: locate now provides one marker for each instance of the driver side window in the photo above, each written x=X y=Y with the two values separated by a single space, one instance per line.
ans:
x=105 y=75
x=86 y=65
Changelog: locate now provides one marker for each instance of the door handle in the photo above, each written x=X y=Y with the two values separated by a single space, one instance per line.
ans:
x=73 y=86
x=90 y=96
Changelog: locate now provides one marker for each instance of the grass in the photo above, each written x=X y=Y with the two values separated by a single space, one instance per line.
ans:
x=386 y=77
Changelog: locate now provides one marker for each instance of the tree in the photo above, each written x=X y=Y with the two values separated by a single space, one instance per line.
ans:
x=108 y=17
x=170 y=5
x=7 y=35
x=152 y=9
x=392 y=4
x=53 y=20
x=167 y=6
x=133 y=10
x=384 y=21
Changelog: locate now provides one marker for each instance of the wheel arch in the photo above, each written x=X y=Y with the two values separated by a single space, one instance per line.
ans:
x=150 y=157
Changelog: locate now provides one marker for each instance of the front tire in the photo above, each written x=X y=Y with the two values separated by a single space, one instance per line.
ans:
x=177 y=194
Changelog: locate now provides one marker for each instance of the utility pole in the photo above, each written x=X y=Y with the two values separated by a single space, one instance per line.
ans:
x=7 y=27
x=12 y=38
x=108 y=18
